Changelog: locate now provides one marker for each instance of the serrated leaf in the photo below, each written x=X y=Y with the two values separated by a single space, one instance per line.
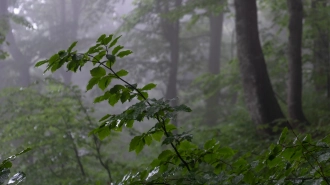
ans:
x=145 y=96
x=101 y=38
x=98 y=72
x=105 y=117
x=124 y=53
x=186 y=146
x=111 y=60
x=148 y=139
x=116 y=49
x=157 y=135
x=129 y=124
x=226 y=151
x=149 y=86
x=106 y=40
x=93 y=81
x=209 y=144
x=283 y=136
x=113 y=99
x=170 y=127
x=54 y=58
x=104 y=82
x=103 y=132
x=40 y=63
x=72 y=46
x=134 y=143
x=124 y=96
x=164 y=155
x=122 y=73
x=99 y=99
x=114 y=42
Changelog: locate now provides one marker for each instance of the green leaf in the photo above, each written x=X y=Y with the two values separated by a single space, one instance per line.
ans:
x=54 y=58
x=6 y=164
x=170 y=127
x=103 y=132
x=165 y=155
x=98 y=72
x=134 y=143
x=93 y=81
x=116 y=49
x=148 y=139
x=72 y=46
x=149 y=86
x=210 y=144
x=249 y=177
x=113 y=99
x=106 y=40
x=124 y=96
x=122 y=73
x=157 y=135
x=129 y=124
x=145 y=95
x=283 y=136
x=111 y=60
x=210 y=158
x=104 y=82
x=186 y=146
x=124 y=53
x=114 y=42
x=105 y=117
x=226 y=151
x=101 y=38
x=40 y=63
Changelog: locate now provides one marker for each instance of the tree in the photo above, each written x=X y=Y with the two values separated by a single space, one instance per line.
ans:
x=259 y=95
x=21 y=60
x=294 y=101
x=216 y=26
x=320 y=29
x=170 y=31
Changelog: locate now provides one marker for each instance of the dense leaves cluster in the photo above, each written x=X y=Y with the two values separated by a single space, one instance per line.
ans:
x=294 y=159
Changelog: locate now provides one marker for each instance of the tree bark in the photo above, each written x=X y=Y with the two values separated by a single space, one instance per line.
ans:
x=294 y=101
x=212 y=102
x=259 y=95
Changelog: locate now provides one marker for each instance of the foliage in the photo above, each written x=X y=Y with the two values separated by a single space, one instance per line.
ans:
x=5 y=166
x=294 y=159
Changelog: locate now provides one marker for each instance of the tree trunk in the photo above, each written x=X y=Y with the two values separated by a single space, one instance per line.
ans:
x=259 y=95
x=22 y=62
x=171 y=30
x=294 y=101
x=212 y=102
x=321 y=47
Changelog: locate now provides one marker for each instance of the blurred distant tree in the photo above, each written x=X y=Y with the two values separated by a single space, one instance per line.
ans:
x=216 y=26
x=320 y=23
x=259 y=95
x=295 y=8
x=21 y=60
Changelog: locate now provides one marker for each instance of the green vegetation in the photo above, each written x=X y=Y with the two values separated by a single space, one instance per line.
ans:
x=216 y=92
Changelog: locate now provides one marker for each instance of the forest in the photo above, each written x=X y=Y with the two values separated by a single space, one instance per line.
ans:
x=164 y=92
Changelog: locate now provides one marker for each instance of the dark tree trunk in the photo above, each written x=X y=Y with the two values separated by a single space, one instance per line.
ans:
x=259 y=95
x=22 y=62
x=321 y=47
x=294 y=101
x=171 y=30
x=212 y=102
